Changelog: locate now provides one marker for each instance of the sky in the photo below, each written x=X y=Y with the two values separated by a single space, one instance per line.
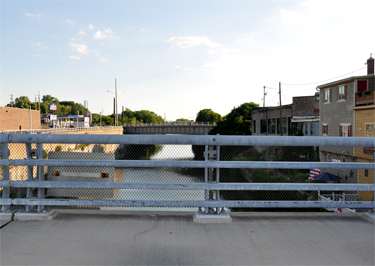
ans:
x=176 y=58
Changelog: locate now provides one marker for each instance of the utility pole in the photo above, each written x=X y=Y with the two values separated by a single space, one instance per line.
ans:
x=116 y=121
x=35 y=103
x=264 y=96
x=39 y=99
x=281 y=120
x=11 y=100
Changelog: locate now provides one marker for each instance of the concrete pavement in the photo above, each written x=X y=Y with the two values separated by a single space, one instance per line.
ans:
x=92 y=237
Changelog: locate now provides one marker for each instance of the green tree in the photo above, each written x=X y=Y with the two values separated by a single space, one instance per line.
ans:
x=22 y=101
x=46 y=101
x=207 y=115
x=145 y=116
x=182 y=120
x=237 y=122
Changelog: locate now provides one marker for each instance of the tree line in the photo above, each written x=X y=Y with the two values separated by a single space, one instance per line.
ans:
x=237 y=122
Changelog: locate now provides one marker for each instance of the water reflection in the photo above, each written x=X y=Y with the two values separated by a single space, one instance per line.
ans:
x=168 y=152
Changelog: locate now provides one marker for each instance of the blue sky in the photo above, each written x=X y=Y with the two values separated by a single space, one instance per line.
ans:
x=178 y=57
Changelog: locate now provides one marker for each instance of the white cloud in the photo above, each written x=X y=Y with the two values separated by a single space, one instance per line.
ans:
x=35 y=55
x=245 y=39
x=40 y=44
x=82 y=32
x=91 y=27
x=70 y=22
x=75 y=57
x=106 y=34
x=191 y=41
x=81 y=48
x=33 y=15
x=104 y=60
x=108 y=30
x=143 y=30
x=184 y=68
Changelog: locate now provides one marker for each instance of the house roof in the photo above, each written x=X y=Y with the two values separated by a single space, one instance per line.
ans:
x=343 y=81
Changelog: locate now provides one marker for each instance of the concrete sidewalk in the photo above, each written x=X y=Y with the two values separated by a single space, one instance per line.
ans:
x=90 y=237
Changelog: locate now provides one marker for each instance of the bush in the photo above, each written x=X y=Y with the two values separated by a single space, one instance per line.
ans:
x=58 y=148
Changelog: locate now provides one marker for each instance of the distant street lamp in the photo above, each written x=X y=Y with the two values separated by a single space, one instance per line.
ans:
x=116 y=112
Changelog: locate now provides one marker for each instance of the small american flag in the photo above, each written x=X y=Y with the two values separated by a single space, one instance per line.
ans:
x=313 y=172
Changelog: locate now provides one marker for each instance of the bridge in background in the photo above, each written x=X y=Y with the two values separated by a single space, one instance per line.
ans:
x=181 y=128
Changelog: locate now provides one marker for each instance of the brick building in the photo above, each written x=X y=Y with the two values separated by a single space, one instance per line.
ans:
x=18 y=119
x=303 y=114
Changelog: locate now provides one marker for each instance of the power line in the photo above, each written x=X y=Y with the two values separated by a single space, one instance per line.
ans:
x=323 y=80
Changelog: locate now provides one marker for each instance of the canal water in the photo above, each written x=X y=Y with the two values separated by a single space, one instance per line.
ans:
x=175 y=175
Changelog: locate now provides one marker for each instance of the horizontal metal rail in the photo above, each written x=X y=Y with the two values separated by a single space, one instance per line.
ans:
x=188 y=186
x=189 y=140
x=189 y=164
x=197 y=203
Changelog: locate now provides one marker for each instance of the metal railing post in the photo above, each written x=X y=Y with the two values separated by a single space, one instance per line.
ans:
x=6 y=190
x=29 y=193
x=218 y=177
x=206 y=175
x=40 y=153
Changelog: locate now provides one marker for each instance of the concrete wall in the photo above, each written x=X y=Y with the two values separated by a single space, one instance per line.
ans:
x=305 y=106
x=18 y=119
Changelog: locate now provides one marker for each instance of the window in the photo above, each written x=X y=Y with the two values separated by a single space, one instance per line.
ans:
x=284 y=125
x=327 y=96
x=341 y=92
x=272 y=126
x=324 y=129
x=370 y=130
x=362 y=85
x=263 y=126
x=255 y=127
x=366 y=173
x=345 y=130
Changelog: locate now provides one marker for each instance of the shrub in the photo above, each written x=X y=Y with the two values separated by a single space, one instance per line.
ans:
x=58 y=148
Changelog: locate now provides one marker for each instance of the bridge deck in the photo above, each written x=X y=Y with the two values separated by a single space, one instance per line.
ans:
x=90 y=237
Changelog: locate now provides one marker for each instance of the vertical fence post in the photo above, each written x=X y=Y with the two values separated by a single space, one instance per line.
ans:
x=40 y=153
x=29 y=193
x=206 y=175
x=218 y=177
x=6 y=190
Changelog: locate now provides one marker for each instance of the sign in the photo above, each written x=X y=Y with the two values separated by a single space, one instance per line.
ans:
x=52 y=107
x=53 y=117
x=89 y=115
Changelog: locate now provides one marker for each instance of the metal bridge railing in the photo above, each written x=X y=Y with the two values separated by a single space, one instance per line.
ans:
x=171 y=124
x=58 y=130
x=41 y=171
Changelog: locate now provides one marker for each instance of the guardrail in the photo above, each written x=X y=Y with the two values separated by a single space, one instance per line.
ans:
x=57 y=130
x=211 y=185
x=171 y=124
